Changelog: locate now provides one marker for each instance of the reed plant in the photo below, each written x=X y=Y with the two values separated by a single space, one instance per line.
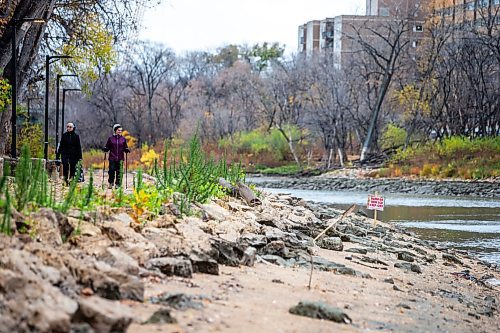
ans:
x=193 y=175
x=31 y=182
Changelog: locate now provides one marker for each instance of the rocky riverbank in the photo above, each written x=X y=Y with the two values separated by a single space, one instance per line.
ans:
x=237 y=268
x=486 y=189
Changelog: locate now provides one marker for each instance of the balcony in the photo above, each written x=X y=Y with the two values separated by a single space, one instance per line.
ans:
x=327 y=34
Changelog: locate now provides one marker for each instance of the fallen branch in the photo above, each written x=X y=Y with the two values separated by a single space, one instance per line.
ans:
x=247 y=194
x=333 y=223
x=233 y=191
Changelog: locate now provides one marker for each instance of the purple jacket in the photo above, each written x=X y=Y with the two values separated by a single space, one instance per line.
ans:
x=116 y=145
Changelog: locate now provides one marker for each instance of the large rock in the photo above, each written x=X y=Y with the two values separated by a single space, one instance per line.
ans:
x=204 y=264
x=84 y=228
x=104 y=280
x=119 y=231
x=171 y=266
x=331 y=243
x=51 y=228
x=215 y=211
x=408 y=266
x=32 y=305
x=104 y=316
x=120 y=260
x=320 y=310
x=254 y=240
x=37 y=261
x=277 y=248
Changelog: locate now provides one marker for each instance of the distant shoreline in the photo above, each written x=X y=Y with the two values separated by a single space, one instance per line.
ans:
x=482 y=189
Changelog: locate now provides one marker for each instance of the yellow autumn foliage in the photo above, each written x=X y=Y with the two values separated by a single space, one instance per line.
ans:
x=149 y=155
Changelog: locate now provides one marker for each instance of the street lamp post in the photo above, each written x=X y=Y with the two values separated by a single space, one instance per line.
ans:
x=46 y=115
x=59 y=76
x=13 y=118
x=63 y=103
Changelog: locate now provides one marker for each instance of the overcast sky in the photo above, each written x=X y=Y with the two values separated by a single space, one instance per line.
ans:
x=187 y=25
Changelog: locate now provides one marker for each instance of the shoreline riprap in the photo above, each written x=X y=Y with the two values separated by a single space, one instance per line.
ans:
x=237 y=268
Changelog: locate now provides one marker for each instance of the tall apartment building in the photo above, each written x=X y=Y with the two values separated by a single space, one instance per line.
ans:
x=331 y=34
x=309 y=37
x=468 y=12
x=396 y=8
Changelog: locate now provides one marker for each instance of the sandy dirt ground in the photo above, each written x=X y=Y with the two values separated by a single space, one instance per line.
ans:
x=257 y=299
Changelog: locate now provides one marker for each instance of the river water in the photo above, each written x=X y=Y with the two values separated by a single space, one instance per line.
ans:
x=466 y=223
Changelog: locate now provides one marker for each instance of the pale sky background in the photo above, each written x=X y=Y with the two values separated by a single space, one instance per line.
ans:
x=188 y=25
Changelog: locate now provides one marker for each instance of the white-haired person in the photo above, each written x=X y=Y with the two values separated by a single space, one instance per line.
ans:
x=70 y=151
x=117 y=148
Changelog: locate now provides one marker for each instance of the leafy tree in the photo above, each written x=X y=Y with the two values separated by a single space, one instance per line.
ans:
x=261 y=56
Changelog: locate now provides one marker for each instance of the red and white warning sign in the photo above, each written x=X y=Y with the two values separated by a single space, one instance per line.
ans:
x=375 y=202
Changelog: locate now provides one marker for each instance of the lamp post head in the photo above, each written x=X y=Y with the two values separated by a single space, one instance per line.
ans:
x=59 y=76
x=71 y=89
x=60 y=57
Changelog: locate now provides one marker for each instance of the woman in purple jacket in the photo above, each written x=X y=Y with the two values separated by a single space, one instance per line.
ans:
x=117 y=147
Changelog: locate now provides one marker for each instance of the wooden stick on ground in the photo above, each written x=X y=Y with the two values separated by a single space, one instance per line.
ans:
x=332 y=224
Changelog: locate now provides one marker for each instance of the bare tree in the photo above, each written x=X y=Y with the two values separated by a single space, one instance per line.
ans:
x=149 y=66
x=283 y=101
x=380 y=44
x=330 y=101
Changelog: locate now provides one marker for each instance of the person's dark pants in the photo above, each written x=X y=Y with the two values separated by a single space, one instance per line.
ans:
x=114 y=172
x=69 y=167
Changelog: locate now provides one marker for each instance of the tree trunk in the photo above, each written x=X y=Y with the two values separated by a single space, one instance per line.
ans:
x=373 y=121
x=23 y=9
x=341 y=157
x=4 y=130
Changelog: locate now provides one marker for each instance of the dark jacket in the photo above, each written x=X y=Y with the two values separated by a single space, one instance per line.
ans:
x=70 y=146
x=117 y=146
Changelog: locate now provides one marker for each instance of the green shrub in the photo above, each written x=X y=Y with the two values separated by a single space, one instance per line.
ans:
x=260 y=141
x=450 y=170
x=426 y=170
x=282 y=170
x=384 y=172
x=393 y=136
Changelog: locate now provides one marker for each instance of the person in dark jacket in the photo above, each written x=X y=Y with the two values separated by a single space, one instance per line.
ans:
x=70 y=151
x=117 y=147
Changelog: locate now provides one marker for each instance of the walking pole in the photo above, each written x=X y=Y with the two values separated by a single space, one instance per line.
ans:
x=126 y=170
x=103 y=170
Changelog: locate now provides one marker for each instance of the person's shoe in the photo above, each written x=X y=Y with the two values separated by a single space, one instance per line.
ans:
x=110 y=186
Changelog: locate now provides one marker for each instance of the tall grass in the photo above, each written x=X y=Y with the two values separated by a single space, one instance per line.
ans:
x=193 y=175
x=31 y=189
x=31 y=182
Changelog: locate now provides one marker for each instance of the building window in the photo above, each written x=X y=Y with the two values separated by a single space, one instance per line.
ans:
x=384 y=11
x=414 y=43
x=418 y=28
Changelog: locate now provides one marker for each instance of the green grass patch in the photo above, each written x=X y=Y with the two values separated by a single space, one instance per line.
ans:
x=290 y=169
